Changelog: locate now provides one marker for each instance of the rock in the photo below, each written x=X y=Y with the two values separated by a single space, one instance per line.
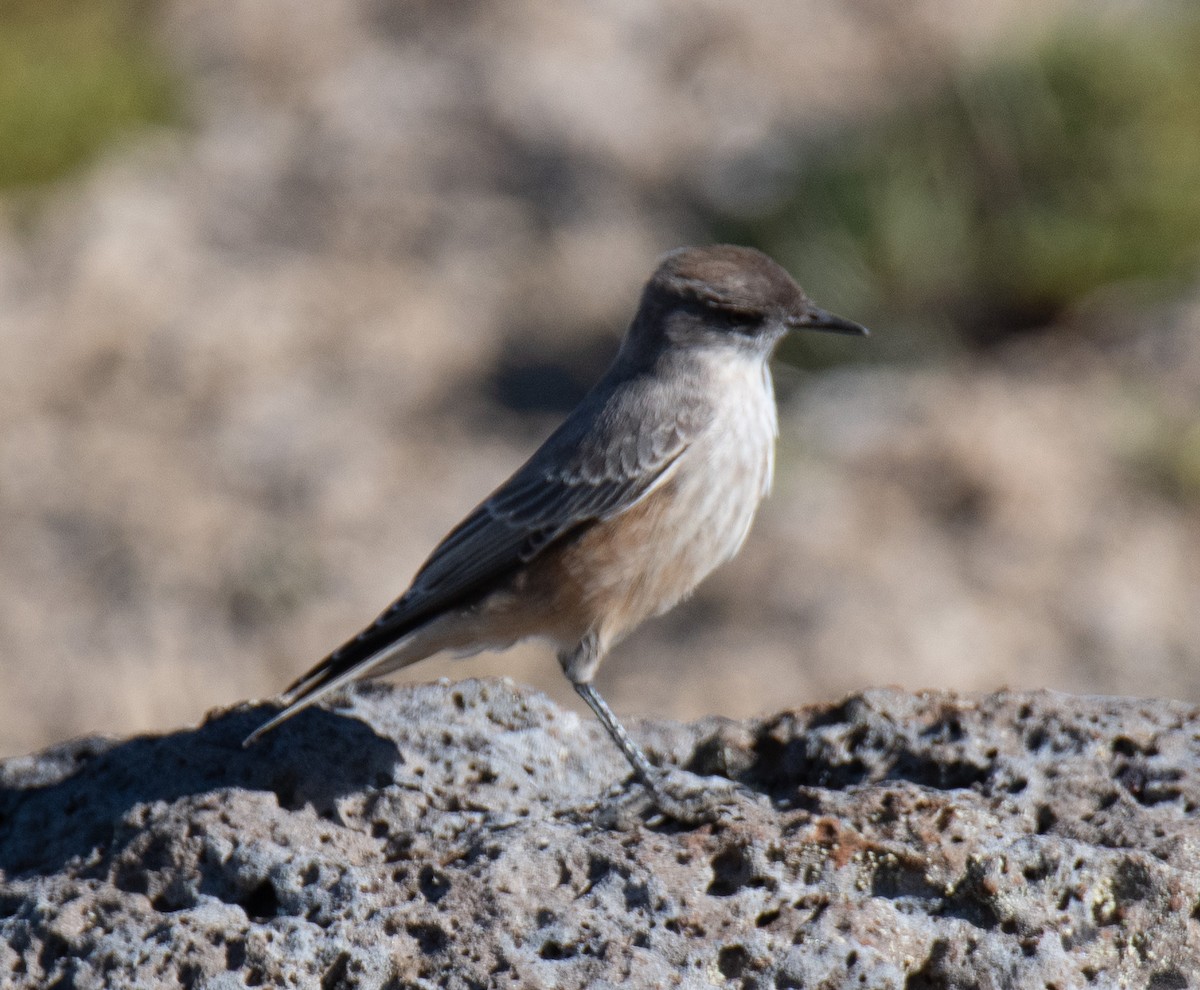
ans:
x=446 y=835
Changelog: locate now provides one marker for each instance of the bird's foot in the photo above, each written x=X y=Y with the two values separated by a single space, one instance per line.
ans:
x=677 y=796
x=691 y=800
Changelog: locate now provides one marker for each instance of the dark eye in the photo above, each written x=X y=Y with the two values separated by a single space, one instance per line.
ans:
x=739 y=320
x=720 y=313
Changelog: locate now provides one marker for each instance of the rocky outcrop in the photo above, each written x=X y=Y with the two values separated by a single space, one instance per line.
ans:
x=448 y=835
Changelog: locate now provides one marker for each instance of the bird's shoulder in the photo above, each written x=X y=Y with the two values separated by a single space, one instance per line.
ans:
x=624 y=430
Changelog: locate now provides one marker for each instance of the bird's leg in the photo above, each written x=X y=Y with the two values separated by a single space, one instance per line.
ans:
x=579 y=664
x=694 y=807
x=632 y=752
x=682 y=796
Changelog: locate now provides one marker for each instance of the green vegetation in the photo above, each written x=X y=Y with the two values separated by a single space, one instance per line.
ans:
x=999 y=202
x=74 y=75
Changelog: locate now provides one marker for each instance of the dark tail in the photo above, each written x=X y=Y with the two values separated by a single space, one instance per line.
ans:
x=353 y=659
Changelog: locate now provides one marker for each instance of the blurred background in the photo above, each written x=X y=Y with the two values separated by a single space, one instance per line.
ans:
x=287 y=286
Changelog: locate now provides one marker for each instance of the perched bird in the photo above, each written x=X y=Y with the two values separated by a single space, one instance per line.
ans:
x=650 y=483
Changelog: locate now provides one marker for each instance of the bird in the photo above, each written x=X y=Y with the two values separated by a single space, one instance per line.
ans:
x=650 y=483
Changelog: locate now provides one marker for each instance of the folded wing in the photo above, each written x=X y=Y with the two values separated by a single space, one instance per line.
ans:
x=576 y=478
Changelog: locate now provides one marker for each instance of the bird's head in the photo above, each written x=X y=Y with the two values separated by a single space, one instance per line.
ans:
x=726 y=293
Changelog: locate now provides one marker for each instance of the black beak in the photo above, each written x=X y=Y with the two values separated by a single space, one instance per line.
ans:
x=817 y=319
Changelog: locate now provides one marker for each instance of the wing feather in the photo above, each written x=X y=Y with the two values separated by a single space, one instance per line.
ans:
x=614 y=449
x=540 y=504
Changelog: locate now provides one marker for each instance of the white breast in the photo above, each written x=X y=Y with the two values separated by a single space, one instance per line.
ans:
x=734 y=462
x=716 y=487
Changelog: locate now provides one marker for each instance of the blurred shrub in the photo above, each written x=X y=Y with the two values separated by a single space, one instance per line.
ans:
x=1001 y=200
x=74 y=74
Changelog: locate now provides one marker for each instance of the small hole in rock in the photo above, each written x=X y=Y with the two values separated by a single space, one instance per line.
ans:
x=732 y=961
x=556 y=950
x=261 y=903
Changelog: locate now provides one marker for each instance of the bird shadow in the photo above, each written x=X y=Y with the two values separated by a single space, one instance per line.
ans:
x=73 y=800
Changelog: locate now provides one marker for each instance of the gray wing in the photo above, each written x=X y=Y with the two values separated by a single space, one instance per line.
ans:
x=586 y=472
x=614 y=449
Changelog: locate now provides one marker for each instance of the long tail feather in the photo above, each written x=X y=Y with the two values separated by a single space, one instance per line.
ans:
x=357 y=658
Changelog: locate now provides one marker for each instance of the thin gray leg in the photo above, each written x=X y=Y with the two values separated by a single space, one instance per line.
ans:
x=642 y=769
x=703 y=805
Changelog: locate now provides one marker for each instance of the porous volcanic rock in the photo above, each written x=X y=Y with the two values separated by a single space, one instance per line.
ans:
x=447 y=835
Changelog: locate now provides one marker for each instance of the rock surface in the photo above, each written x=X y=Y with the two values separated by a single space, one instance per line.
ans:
x=446 y=835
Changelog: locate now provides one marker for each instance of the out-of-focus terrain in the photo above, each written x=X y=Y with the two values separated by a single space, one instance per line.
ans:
x=261 y=353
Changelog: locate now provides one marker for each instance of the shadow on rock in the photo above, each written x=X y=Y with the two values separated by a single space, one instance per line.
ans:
x=71 y=801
